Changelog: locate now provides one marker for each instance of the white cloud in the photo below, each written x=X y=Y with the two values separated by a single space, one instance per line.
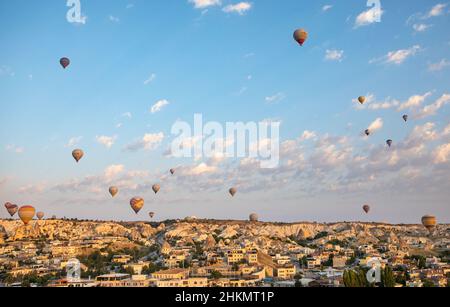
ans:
x=432 y=109
x=201 y=169
x=376 y=125
x=308 y=135
x=73 y=141
x=327 y=7
x=15 y=149
x=150 y=79
x=113 y=19
x=421 y=27
x=414 y=101
x=129 y=6
x=201 y=4
x=275 y=98
x=158 y=106
x=113 y=170
x=107 y=141
x=444 y=63
x=436 y=10
x=369 y=17
x=442 y=154
x=334 y=55
x=127 y=115
x=240 y=8
x=399 y=56
x=148 y=142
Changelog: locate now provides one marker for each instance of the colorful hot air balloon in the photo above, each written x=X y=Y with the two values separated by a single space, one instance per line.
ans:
x=26 y=214
x=367 y=132
x=389 y=142
x=65 y=62
x=300 y=36
x=253 y=217
x=405 y=118
x=366 y=208
x=156 y=188
x=361 y=99
x=429 y=222
x=113 y=191
x=77 y=154
x=172 y=171
x=11 y=208
x=40 y=215
x=137 y=203
x=151 y=214
x=232 y=191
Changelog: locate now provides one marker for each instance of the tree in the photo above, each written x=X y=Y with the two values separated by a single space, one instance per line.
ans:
x=387 y=278
x=216 y=275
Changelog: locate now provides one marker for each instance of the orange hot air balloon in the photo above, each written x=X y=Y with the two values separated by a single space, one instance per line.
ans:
x=429 y=222
x=26 y=214
x=113 y=191
x=232 y=191
x=300 y=36
x=65 y=62
x=156 y=188
x=361 y=99
x=77 y=154
x=137 y=203
x=366 y=208
x=11 y=208
x=40 y=215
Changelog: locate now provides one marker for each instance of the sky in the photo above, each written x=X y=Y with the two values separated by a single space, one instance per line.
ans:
x=138 y=67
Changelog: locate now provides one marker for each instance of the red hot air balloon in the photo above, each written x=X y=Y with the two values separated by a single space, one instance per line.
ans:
x=12 y=209
x=65 y=62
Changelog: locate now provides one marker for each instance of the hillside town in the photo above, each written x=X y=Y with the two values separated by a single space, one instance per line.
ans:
x=206 y=253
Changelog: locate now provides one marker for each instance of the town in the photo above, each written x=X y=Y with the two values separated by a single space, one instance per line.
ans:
x=208 y=253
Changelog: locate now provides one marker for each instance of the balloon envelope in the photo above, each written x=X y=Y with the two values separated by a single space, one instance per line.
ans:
x=405 y=118
x=26 y=214
x=233 y=191
x=11 y=208
x=253 y=217
x=113 y=191
x=389 y=142
x=300 y=36
x=172 y=171
x=77 y=154
x=137 y=203
x=367 y=132
x=361 y=99
x=65 y=62
x=156 y=188
x=366 y=208
x=40 y=215
x=429 y=222
x=151 y=214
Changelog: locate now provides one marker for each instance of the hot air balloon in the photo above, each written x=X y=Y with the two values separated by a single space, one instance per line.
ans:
x=253 y=217
x=405 y=118
x=300 y=36
x=26 y=214
x=429 y=222
x=151 y=214
x=389 y=142
x=11 y=208
x=40 y=215
x=156 y=188
x=65 y=62
x=366 y=208
x=367 y=132
x=113 y=191
x=77 y=154
x=172 y=171
x=137 y=203
x=232 y=191
x=361 y=99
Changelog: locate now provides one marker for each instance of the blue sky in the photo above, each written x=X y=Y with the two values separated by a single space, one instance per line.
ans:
x=230 y=61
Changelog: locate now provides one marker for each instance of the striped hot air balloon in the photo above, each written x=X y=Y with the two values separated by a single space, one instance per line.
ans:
x=26 y=214
x=11 y=208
